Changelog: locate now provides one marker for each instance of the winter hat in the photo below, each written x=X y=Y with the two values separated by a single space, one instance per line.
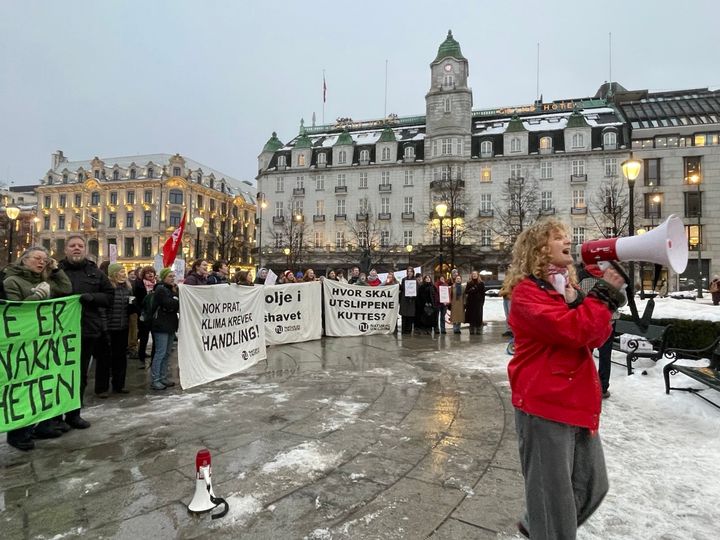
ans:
x=114 y=269
x=164 y=273
x=287 y=272
x=299 y=275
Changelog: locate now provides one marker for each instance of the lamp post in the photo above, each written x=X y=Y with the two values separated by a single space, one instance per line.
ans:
x=262 y=204
x=631 y=170
x=199 y=221
x=286 y=251
x=12 y=213
x=441 y=210
x=695 y=179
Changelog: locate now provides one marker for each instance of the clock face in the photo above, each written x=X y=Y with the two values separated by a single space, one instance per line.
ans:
x=448 y=68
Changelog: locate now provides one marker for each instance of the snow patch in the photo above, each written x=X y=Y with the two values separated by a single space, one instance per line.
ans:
x=240 y=509
x=308 y=457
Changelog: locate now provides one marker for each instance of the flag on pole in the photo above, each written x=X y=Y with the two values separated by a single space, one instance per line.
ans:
x=324 y=89
x=172 y=244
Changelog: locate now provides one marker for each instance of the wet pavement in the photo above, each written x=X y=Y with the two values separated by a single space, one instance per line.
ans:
x=368 y=437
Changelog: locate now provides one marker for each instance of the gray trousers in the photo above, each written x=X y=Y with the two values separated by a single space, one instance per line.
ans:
x=565 y=476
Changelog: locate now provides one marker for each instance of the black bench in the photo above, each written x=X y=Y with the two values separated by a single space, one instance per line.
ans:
x=656 y=335
x=709 y=375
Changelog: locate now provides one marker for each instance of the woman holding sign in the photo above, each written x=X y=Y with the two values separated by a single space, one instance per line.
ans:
x=34 y=277
x=408 y=292
x=164 y=324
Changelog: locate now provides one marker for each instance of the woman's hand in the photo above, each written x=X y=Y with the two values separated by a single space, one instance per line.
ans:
x=570 y=294
x=613 y=278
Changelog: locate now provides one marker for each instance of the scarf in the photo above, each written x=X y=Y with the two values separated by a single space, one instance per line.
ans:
x=558 y=278
x=458 y=290
x=149 y=284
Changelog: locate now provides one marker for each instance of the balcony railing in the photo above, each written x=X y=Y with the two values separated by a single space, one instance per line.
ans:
x=385 y=187
x=447 y=184
x=298 y=191
x=340 y=217
x=361 y=216
x=408 y=216
x=318 y=217
x=384 y=216
x=340 y=189
x=485 y=213
x=578 y=210
x=547 y=211
x=578 y=178
x=278 y=220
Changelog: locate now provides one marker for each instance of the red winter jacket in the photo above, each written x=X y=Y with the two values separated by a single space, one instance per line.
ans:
x=552 y=374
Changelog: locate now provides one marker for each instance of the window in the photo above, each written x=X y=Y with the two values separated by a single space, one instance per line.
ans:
x=113 y=198
x=384 y=238
x=485 y=174
x=611 y=166
x=78 y=200
x=94 y=220
x=445 y=172
x=546 y=145
x=46 y=223
x=320 y=207
x=694 y=233
x=47 y=201
x=342 y=157
x=446 y=146
x=175 y=196
x=340 y=207
x=385 y=205
x=651 y=168
x=578 y=198
x=693 y=204
x=174 y=219
x=578 y=140
x=112 y=220
x=150 y=173
x=95 y=198
x=279 y=184
x=546 y=171
x=96 y=174
x=409 y=152
x=408 y=205
x=129 y=247
x=300 y=182
x=339 y=240
x=148 y=196
x=385 y=178
x=407 y=238
x=279 y=212
x=486 y=237
x=653 y=205
x=578 y=167
x=515 y=144
x=301 y=160
x=116 y=175
x=365 y=155
x=200 y=202
x=486 y=202
x=282 y=161
x=146 y=246
x=363 y=205
x=610 y=140
x=486 y=149
x=176 y=171
x=320 y=183
x=133 y=174
x=341 y=180
x=408 y=178
x=578 y=235
x=516 y=170
x=434 y=148
x=448 y=80
x=147 y=218
x=61 y=222
x=363 y=180
x=322 y=158
x=129 y=219
x=692 y=168
x=386 y=154
x=65 y=179
x=546 y=201
x=448 y=104
x=60 y=245
x=81 y=177
x=130 y=197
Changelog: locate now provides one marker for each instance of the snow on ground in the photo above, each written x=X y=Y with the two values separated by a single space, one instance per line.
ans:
x=308 y=457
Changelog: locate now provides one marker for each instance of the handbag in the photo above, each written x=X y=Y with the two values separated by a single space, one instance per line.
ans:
x=429 y=309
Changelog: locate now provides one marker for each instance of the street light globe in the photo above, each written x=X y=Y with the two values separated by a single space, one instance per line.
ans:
x=631 y=169
x=441 y=209
x=641 y=230
x=695 y=179
x=286 y=251
x=298 y=217
x=12 y=212
x=409 y=248
x=263 y=204
x=199 y=221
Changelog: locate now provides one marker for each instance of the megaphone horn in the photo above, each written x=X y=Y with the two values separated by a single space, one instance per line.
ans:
x=665 y=245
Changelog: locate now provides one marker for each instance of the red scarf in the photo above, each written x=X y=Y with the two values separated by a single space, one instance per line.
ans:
x=558 y=277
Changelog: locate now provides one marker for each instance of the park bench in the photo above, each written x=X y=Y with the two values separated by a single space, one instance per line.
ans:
x=654 y=335
x=707 y=375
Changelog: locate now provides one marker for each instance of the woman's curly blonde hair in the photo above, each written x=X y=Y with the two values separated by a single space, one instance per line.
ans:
x=531 y=254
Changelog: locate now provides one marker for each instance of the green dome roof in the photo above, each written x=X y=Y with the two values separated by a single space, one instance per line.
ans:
x=577 y=120
x=274 y=144
x=303 y=141
x=449 y=47
x=387 y=135
x=344 y=138
x=515 y=125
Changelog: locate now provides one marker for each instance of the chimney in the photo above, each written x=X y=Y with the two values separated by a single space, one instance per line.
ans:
x=57 y=159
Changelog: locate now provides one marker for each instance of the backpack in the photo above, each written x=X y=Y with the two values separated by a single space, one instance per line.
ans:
x=147 y=308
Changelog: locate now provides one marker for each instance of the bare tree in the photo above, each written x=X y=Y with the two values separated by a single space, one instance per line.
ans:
x=370 y=240
x=519 y=209
x=228 y=238
x=609 y=208
x=449 y=188
x=293 y=237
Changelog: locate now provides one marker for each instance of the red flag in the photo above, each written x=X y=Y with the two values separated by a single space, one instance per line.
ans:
x=324 y=89
x=172 y=244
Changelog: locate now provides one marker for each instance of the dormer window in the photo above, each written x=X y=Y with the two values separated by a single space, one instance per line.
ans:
x=386 y=154
x=610 y=140
x=176 y=171
x=365 y=155
x=342 y=156
x=133 y=174
x=282 y=161
x=486 y=149
x=49 y=179
x=116 y=175
x=65 y=178
x=212 y=183
x=81 y=177
x=151 y=173
x=199 y=178
x=409 y=152
x=301 y=160
x=546 y=145
x=578 y=140
x=322 y=158
x=515 y=144
x=96 y=173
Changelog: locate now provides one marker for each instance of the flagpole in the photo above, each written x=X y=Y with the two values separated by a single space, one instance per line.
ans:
x=385 y=108
x=324 y=90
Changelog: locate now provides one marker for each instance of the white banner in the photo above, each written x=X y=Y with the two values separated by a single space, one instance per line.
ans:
x=221 y=331
x=292 y=312
x=354 y=310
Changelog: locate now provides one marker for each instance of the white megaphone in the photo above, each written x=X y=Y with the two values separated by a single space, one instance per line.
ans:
x=204 y=499
x=666 y=245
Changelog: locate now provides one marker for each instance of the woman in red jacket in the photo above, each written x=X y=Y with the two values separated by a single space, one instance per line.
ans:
x=555 y=386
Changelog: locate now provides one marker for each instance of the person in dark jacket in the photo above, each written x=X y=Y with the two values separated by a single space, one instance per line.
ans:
x=219 y=275
x=96 y=293
x=166 y=307
x=261 y=275
x=198 y=273
x=474 y=300
x=144 y=284
x=118 y=322
x=426 y=307
x=35 y=276
x=407 y=303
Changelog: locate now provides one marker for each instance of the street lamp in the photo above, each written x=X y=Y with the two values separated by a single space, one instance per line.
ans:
x=263 y=204
x=631 y=170
x=441 y=210
x=286 y=251
x=199 y=221
x=695 y=179
x=12 y=213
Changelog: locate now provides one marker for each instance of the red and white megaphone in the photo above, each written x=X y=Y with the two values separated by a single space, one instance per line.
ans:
x=666 y=245
x=204 y=499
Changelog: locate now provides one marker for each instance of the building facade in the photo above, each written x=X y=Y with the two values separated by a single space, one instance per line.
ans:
x=23 y=227
x=134 y=203
x=337 y=193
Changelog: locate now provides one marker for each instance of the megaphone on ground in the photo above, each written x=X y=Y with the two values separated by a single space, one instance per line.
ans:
x=666 y=245
x=204 y=499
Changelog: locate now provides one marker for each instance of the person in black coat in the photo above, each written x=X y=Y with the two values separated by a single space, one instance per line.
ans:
x=426 y=306
x=164 y=324
x=474 y=300
x=407 y=303
x=96 y=294
x=144 y=284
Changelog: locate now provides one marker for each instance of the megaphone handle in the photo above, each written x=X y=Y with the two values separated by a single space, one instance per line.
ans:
x=217 y=501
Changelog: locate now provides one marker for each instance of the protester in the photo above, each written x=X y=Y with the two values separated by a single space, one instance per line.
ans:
x=299 y=276
x=261 y=276
x=144 y=284
x=220 y=273
x=35 y=276
x=166 y=307
x=341 y=276
x=442 y=309
x=407 y=303
x=373 y=280
x=132 y=343
x=96 y=294
x=715 y=290
x=506 y=308
x=331 y=275
x=390 y=279
x=198 y=273
x=289 y=276
x=243 y=277
x=457 y=306
x=362 y=280
x=354 y=275
x=309 y=275
x=426 y=307
x=104 y=267
x=118 y=322
x=474 y=300
x=553 y=380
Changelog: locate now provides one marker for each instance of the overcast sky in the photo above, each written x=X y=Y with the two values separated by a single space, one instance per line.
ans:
x=212 y=79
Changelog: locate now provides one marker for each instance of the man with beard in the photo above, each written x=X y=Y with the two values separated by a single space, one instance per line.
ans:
x=96 y=293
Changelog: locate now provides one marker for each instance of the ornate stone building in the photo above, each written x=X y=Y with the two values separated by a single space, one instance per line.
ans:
x=135 y=203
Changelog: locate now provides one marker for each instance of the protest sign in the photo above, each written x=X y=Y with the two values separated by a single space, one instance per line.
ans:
x=221 y=331
x=444 y=291
x=399 y=275
x=292 y=312
x=270 y=278
x=410 y=287
x=112 y=250
x=352 y=310
x=39 y=360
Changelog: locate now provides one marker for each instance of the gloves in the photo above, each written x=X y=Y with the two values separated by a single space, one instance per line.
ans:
x=605 y=292
x=86 y=298
x=42 y=291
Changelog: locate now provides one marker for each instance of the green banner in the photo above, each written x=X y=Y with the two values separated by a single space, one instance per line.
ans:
x=39 y=360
